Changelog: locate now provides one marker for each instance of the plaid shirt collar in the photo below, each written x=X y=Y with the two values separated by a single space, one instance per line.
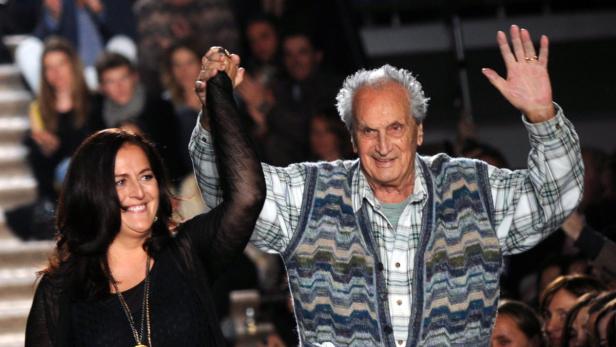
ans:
x=363 y=193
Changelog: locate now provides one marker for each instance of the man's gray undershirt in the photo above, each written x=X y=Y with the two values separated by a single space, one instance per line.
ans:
x=393 y=211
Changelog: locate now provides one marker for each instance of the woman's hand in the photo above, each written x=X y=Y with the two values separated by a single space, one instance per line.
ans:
x=47 y=141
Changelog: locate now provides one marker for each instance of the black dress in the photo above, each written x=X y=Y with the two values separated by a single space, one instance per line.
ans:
x=181 y=306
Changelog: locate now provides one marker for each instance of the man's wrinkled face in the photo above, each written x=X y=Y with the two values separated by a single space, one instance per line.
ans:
x=385 y=135
x=300 y=58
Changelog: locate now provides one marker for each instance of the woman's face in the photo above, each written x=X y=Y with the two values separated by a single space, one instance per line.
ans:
x=57 y=70
x=323 y=141
x=185 y=67
x=507 y=333
x=561 y=303
x=138 y=192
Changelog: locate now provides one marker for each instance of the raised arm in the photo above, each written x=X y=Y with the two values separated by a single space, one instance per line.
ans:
x=284 y=186
x=529 y=204
x=225 y=230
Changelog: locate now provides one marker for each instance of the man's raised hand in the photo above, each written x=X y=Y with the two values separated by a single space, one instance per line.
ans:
x=527 y=85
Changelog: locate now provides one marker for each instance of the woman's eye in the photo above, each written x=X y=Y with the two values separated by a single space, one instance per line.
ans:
x=120 y=183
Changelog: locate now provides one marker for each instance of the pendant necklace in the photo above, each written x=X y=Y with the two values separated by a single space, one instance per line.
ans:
x=145 y=310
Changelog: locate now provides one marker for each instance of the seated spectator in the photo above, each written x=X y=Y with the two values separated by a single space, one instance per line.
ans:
x=595 y=246
x=559 y=297
x=517 y=325
x=329 y=139
x=601 y=328
x=180 y=71
x=594 y=309
x=124 y=103
x=162 y=22
x=485 y=152
x=303 y=91
x=575 y=333
x=58 y=121
x=263 y=62
x=90 y=25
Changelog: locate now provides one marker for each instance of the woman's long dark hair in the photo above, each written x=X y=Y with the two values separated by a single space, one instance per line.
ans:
x=88 y=217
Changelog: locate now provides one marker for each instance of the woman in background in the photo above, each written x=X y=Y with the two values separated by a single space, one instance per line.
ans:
x=517 y=325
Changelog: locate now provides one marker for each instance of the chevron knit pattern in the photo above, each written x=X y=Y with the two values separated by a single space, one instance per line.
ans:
x=332 y=263
x=460 y=260
x=331 y=271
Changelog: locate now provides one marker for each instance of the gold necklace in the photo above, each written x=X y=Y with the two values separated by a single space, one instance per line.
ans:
x=145 y=309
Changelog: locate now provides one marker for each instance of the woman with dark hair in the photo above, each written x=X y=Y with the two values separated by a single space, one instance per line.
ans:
x=575 y=333
x=517 y=325
x=559 y=297
x=123 y=274
x=601 y=329
x=329 y=139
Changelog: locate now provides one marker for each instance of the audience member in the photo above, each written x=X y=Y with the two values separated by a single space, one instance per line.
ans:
x=329 y=139
x=601 y=327
x=180 y=70
x=302 y=92
x=575 y=333
x=162 y=22
x=559 y=297
x=263 y=61
x=125 y=103
x=594 y=308
x=90 y=25
x=595 y=246
x=517 y=325
x=58 y=124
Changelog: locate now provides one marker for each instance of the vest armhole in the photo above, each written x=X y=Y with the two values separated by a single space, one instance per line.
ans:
x=306 y=209
x=485 y=191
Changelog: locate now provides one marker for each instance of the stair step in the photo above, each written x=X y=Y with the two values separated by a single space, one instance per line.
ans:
x=15 y=253
x=15 y=191
x=12 y=128
x=12 y=339
x=13 y=315
x=10 y=78
x=18 y=282
x=14 y=102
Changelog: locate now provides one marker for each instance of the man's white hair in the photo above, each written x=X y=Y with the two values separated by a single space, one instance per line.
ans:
x=376 y=78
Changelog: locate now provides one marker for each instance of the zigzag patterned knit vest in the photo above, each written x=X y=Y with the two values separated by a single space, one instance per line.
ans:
x=336 y=277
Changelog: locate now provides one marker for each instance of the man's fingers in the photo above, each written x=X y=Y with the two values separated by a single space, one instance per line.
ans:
x=516 y=41
x=494 y=78
x=543 y=50
x=503 y=45
x=527 y=41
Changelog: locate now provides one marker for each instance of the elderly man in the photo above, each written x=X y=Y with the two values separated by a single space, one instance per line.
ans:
x=397 y=249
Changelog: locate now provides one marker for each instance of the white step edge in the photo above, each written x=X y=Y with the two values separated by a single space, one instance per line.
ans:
x=15 y=308
x=19 y=276
x=15 y=95
x=12 y=246
x=8 y=70
x=12 y=340
x=13 y=124
x=12 y=152
x=12 y=183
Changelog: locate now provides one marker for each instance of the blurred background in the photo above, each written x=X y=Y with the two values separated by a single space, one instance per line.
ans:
x=71 y=67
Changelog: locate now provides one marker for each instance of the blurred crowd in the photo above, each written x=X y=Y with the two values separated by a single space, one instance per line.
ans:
x=95 y=64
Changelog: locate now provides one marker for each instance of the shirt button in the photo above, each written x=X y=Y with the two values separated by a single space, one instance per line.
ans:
x=399 y=302
x=397 y=264
x=400 y=342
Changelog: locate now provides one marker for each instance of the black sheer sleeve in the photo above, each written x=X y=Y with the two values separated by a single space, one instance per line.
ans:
x=223 y=233
x=38 y=329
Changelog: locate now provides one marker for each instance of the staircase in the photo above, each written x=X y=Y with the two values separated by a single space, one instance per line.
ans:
x=19 y=261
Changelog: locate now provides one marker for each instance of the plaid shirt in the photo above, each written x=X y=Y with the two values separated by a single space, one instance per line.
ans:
x=528 y=204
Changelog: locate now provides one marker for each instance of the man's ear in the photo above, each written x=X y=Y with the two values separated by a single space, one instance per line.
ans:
x=420 y=134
